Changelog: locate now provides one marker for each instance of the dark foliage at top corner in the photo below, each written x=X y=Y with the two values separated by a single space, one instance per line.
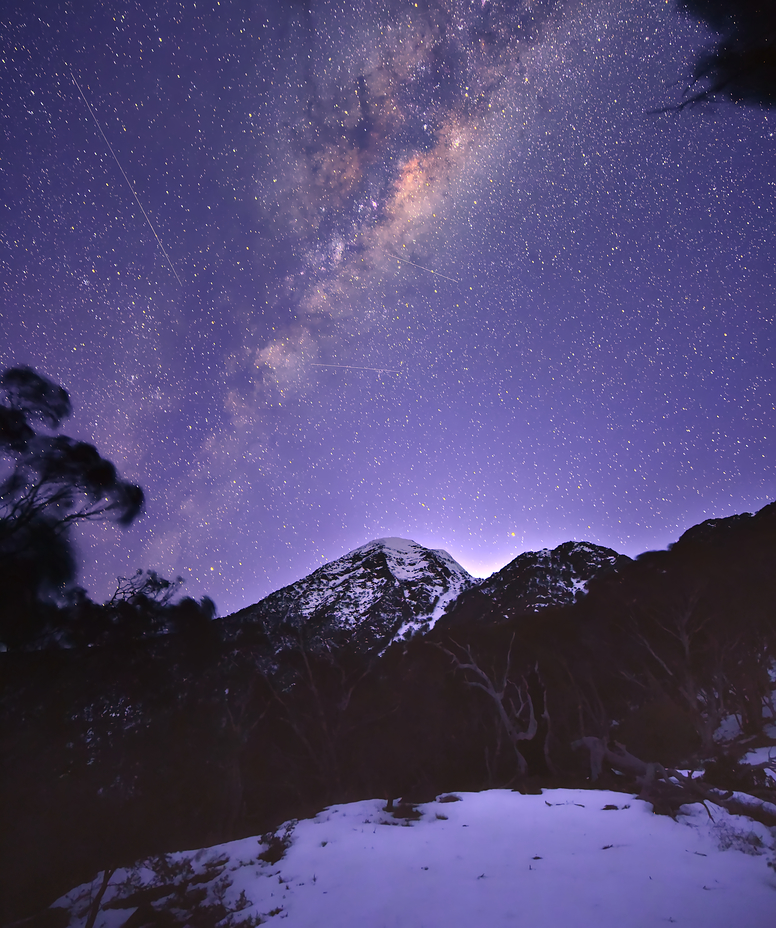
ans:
x=30 y=394
x=741 y=67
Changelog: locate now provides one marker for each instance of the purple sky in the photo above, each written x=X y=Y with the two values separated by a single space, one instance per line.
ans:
x=578 y=342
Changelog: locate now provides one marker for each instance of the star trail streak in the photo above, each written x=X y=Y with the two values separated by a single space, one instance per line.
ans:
x=455 y=280
x=129 y=184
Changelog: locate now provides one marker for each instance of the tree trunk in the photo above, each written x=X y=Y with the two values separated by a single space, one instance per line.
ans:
x=94 y=908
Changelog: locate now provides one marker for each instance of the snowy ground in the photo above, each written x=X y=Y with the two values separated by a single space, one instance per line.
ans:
x=564 y=859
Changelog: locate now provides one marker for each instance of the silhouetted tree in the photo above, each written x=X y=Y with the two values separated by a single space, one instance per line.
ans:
x=142 y=606
x=742 y=66
x=50 y=483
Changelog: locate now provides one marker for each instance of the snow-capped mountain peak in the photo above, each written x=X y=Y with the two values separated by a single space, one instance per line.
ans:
x=380 y=592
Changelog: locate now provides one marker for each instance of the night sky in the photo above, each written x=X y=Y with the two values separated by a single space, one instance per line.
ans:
x=430 y=270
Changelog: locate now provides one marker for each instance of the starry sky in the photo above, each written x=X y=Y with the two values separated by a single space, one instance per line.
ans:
x=320 y=272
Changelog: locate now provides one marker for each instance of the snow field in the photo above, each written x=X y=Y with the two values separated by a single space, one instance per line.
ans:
x=499 y=858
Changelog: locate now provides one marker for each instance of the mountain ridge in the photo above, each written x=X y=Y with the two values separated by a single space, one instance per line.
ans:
x=385 y=590
x=391 y=589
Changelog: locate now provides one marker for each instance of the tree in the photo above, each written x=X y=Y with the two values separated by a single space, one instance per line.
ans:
x=143 y=606
x=518 y=719
x=742 y=65
x=50 y=483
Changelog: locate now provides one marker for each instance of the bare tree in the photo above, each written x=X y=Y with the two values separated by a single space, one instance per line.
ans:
x=94 y=907
x=675 y=643
x=510 y=700
x=315 y=703
x=668 y=789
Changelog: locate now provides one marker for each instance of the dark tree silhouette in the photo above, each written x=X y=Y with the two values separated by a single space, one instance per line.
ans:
x=145 y=584
x=50 y=482
x=742 y=65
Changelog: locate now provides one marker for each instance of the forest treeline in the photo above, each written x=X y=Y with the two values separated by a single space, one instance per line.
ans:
x=194 y=732
x=144 y=725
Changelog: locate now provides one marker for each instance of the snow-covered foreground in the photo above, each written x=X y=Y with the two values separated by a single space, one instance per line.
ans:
x=563 y=859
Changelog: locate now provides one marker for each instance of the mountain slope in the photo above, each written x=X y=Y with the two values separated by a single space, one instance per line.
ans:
x=533 y=581
x=557 y=577
x=386 y=590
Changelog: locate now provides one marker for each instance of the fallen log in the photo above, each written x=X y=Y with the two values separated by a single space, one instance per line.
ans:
x=668 y=789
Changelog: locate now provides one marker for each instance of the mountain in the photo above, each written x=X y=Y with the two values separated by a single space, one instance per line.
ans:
x=387 y=590
x=535 y=580
x=744 y=529
x=393 y=588
x=131 y=744
x=565 y=857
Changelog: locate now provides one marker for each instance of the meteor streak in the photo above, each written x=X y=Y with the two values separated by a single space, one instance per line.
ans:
x=132 y=189
x=430 y=270
x=353 y=367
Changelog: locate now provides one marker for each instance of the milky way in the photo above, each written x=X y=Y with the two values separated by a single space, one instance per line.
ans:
x=443 y=275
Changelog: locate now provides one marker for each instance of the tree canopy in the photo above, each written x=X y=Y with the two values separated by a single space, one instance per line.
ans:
x=742 y=65
x=50 y=483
